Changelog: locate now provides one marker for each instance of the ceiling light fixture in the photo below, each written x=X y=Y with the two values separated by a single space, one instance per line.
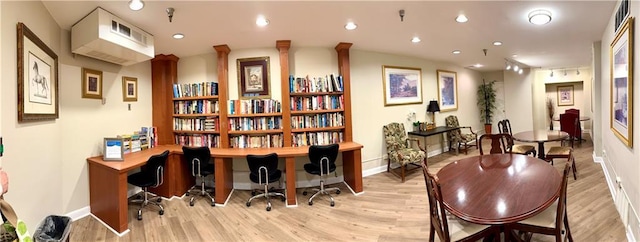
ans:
x=540 y=17
x=350 y=26
x=520 y=71
x=455 y=52
x=577 y=71
x=508 y=66
x=262 y=21
x=477 y=65
x=461 y=18
x=136 y=5
x=415 y=40
x=516 y=68
x=565 y=72
x=178 y=36
x=497 y=43
x=551 y=75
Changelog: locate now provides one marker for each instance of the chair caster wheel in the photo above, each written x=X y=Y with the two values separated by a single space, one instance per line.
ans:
x=253 y=193
x=283 y=199
x=310 y=203
x=191 y=203
x=161 y=212
x=268 y=209
x=338 y=191
x=248 y=204
x=159 y=200
x=187 y=194
x=304 y=193
x=213 y=204
x=333 y=203
x=139 y=215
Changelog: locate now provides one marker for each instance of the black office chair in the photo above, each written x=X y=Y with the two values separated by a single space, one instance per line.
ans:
x=264 y=170
x=150 y=175
x=323 y=162
x=200 y=160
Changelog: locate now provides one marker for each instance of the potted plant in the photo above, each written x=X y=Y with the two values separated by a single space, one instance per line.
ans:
x=550 y=111
x=486 y=103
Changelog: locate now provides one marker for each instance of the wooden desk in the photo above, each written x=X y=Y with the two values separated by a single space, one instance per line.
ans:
x=108 y=179
x=498 y=188
x=435 y=131
x=541 y=136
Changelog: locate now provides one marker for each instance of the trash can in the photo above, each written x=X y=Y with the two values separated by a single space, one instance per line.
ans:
x=53 y=229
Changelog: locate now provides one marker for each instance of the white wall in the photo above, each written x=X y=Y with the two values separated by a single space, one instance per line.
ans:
x=518 y=91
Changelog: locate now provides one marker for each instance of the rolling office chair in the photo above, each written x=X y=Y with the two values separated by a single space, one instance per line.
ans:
x=323 y=162
x=150 y=175
x=199 y=158
x=264 y=170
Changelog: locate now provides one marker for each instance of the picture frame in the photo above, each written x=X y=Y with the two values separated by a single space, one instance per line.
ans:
x=253 y=78
x=91 y=83
x=565 y=96
x=129 y=89
x=401 y=85
x=447 y=90
x=621 y=86
x=37 y=78
x=113 y=149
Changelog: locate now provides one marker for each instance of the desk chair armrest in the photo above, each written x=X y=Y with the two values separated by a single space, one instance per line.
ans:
x=417 y=143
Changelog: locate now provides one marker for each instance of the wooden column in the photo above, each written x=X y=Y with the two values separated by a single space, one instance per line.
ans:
x=283 y=47
x=222 y=52
x=164 y=73
x=343 y=64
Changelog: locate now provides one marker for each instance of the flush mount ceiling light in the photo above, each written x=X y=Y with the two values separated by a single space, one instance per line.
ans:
x=497 y=43
x=539 y=17
x=477 y=65
x=415 y=40
x=350 y=26
x=455 y=52
x=178 y=36
x=136 y=5
x=461 y=18
x=262 y=21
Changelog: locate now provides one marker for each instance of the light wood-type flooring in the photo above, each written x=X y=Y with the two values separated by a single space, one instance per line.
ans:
x=387 y=211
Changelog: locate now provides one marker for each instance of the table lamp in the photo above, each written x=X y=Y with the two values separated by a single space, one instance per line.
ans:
x=432 y=108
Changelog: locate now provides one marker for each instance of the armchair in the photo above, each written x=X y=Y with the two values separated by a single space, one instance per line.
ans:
x=400 y=151
x=456 y=137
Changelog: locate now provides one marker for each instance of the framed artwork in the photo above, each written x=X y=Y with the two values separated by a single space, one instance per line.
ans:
x=37 y=78
x=402 y=85
x=621 y=109
x=253 y=78
x=129 y=89
x=447 y=90
x=91 y=84
x=113 y=149
x=565 y=95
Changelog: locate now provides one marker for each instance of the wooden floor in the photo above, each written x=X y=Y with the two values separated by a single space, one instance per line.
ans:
x=387 y=211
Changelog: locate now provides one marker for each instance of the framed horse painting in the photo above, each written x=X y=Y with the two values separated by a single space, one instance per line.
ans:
x=37 y=78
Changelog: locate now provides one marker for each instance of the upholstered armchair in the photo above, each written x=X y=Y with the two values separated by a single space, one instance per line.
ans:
x=401 y=151
x=459 y=139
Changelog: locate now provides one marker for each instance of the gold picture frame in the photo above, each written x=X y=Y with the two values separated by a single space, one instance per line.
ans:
x=402 y=85
x=129 y=89
x=91 y=83
x=565 y=95
x=253 y=78
x=621 y=86
x=447 y=90
x=37 y=78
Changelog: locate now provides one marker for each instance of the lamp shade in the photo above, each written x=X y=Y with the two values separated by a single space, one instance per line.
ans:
x=433 y=107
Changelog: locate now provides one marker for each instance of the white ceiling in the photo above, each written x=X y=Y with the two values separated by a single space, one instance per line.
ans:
x=563 y=43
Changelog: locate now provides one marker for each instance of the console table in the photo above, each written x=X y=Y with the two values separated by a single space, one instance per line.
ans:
x=434 y=131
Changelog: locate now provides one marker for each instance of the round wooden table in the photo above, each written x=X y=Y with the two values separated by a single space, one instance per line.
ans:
x=498 y=189
x=541 y=136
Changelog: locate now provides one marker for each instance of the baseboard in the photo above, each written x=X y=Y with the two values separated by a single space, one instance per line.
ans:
x=109 y=227
x=607 y=178
x=79 y=213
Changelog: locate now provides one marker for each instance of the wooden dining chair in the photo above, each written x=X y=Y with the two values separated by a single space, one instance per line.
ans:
x=564 y=152
x=499 y=143
x=504 y=126
x=447 y=226
x=551 y=221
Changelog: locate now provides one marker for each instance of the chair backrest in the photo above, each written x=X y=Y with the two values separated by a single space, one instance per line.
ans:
x=500 y=143
x=436 y=209
x=395 y=136
x=505 y=126
x=263 y=165
x=452 y=121
x=570 y=123
x=323 y=156
x=562 y=199
x=196 y=157
x=154 y=169
x=573 y=110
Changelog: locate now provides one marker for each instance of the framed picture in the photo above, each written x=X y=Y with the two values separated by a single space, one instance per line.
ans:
x=621 y=109
x=37 y=78
x=91 y=84
x=447 y=90
x=129 y=89
x=565 y=95
x=402 y=85
x=113 y=149
x=253 y=78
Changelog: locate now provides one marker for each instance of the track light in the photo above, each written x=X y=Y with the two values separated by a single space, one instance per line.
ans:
x=551 y=75
x=520 y=71
x=578 y=72
x=136 y=5
x=565 y=72
x=508 y=66
x=516 y=68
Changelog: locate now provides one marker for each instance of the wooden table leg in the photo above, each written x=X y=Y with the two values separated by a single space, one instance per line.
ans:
x=108 y=196
x=541 y=150
x=352 y=168
x=224 y=179
x=290 y=170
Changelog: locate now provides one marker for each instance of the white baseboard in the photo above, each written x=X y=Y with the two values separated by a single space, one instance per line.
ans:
x=79 y=213
x=109 y=227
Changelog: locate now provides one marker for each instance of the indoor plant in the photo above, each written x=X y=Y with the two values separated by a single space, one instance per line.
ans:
x=486 y=103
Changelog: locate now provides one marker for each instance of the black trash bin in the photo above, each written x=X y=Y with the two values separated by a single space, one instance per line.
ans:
x=53 y=229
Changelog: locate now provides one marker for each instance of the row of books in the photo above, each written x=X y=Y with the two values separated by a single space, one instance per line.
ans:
x=254 y=106
x=255 y=123
x=195 y=89
x=196 y=107
x=328 y=83
x=262 y=141
x=145 y=138
x=316 y=138
x=196 y=124
x=209 y=140
x=323 y=102
x=317 y=121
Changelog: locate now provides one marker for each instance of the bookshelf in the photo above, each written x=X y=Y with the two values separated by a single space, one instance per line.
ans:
x=255 y=123
x=196 y=108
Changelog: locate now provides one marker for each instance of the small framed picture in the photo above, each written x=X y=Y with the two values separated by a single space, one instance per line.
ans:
x=91 y=83
x=253 y=78
x=113 y=149
x=565 y=95
x=129 y=89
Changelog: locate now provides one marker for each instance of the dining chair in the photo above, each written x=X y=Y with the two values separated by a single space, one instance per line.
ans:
x=551 y=221
x=577 y=112
x=499 y=143
x=447 y=226
x=458 y=138
x=570 y=123
x=401 y=151
x=564 y=152
x=504 y=126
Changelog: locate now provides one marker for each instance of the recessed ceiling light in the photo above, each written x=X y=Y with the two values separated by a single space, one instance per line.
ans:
x=497 y=43
x=514 y=55
x=136 y=5
x=262 y=21
x=477 y=65
x=350 y=26
x=178 y=36
x=539 y=17
x=455 y=52
x=415 y=40
x=461 y=18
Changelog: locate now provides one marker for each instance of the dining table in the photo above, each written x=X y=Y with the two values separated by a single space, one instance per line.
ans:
x=498 y=189
x=541 y=136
